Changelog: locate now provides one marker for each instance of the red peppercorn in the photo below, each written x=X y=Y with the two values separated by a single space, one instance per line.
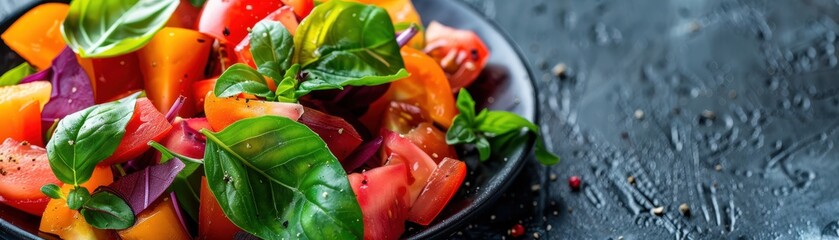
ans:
x=574 y=182
x=517 y=230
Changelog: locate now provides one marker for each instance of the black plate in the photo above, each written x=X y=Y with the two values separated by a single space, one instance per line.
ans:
x=506 y=84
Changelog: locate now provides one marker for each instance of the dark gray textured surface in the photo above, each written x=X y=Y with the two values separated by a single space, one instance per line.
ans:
x=761 y=164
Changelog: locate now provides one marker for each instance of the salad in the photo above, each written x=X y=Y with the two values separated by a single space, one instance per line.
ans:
x=220 y=119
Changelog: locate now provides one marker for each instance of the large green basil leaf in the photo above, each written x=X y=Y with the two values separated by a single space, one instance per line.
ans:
x=85 y=138
x=104 y=28
x=275 y=178
x=241 y=78
x=347 y=44
x=272 y=47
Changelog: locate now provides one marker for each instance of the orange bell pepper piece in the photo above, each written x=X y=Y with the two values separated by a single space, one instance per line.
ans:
x=36 y=36
x=156 y=222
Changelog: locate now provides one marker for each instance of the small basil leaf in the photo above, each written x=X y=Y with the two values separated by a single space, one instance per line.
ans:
x=85 y=138
x=77 y=197
x=106 y=210
x=286 y=88
x=347 y=44
x=466 y=106
x=272 y=47
x=495 y=123
x=275 y=178
x=96 y=28
x=240 y=78
x=483 y=148
x=14 y=75
x=52 y=191
x=460 y=131
x=543 y=155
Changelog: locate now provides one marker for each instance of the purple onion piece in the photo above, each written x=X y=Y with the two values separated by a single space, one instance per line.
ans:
x=44 y=75
x=176 y=107
x=143 y=187
x=362 y=154
x=178 y=210
x=405 y=36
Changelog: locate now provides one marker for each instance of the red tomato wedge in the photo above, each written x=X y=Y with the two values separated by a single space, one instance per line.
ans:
x=301 y=8
x=112 y=77
x=145 y=125
x=24 y=168
x=383 y=196
x=461 y=53
x=185 y=16
x=285 y=16
x=200 y=90
x=185 y=139
x=212 y=223
x=400 y=150
x=442 y=185
x=340 y=136
x=222 y=112
x=410 y=121
x=229 y=20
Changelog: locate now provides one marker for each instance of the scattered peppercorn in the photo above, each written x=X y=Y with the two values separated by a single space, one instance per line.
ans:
x=631 y=179
x=684 y=209
x=517 y=230
x=658 y=211
x=574 y=182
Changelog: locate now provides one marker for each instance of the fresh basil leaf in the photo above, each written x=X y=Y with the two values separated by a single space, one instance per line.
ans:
x=241 y=78
x=466 y=106
x=77 y=197
x=286 y=88
x=272 y=47
x=495 y=123
x=347 y=44
x=105 y=210
x=96 y=28
x=52 y=191
x=460 y=131
x=14 y=75
x=275 y=178
x=85 y=138
x=543 y=155
x=483 y=148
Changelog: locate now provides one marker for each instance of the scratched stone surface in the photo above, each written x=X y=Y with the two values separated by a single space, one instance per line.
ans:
x=730 y=107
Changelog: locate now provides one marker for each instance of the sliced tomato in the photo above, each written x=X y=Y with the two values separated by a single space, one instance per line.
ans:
x=170 y=62
x=222 y=112
x=340 y=136
x=212 y=223
x=185 y=139
x=24 y=168
x=113 y=76
x=409 y=121
x=229 y=20
x=185 y=15
x=145 y=125
x=426 y=88
x=60 y=220
x=382 y=193
x=397 y=149
x=22 y=104
x=200 y=90
x=442 y=185
x=159 y=221
x=284 y=15
x=461 y=53
x=36 y=36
